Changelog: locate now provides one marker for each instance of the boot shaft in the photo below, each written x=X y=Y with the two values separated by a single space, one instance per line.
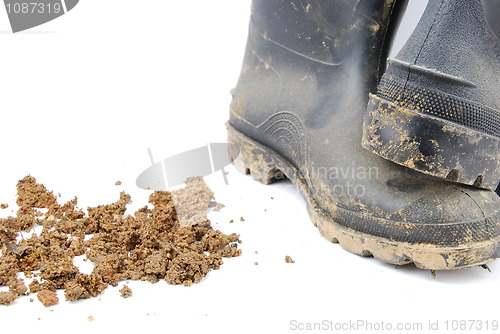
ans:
x=323 y=31
x=491 y=10
x=328 y=50
x=457 y=38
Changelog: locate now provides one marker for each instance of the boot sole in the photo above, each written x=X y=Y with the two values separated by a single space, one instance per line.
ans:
x=432 y=145
x=265 y=166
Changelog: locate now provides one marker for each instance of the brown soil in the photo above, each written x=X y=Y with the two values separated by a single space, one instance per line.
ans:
x=125 y=292
x=7 y=298
x=47 y=297
x=18 y=287
x=173 y=241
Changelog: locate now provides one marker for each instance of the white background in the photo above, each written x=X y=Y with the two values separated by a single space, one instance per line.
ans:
x=84 y=96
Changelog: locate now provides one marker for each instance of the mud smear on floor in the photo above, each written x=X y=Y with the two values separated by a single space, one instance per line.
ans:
x=171 y=242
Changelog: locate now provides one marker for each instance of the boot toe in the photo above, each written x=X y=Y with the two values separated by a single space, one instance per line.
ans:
x=452 y=216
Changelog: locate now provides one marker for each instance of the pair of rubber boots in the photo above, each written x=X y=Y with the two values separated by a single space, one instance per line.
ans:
x=401 y=165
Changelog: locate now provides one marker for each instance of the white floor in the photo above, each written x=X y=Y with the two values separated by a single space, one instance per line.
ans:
x=84 y=96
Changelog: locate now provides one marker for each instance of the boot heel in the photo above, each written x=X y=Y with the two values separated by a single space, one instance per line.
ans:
x=250 y=158
x=431 y=145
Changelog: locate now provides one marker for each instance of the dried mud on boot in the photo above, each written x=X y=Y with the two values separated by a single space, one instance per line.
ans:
x=261 y=162
x=173 y=241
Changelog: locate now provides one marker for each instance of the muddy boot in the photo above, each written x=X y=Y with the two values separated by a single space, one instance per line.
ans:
x=298 y=110
x=437 y=109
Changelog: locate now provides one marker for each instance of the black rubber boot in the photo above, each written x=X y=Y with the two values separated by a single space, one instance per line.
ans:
x=298 y=111
x=437 y=109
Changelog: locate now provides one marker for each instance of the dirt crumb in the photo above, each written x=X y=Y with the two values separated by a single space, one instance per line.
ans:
x=18 y=287
x=7 y=298
x=288 y=259
x=125 y=292
x=47 y=297
x=242 y=219
x=83 y=287
x=32 y=195
x=118 y=183
x=172 y=241
x=90 y=318
x=4 y=206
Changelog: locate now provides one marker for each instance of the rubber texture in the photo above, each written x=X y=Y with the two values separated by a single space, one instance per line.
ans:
x=298 y=110
x=443 y=96
x=430 y=144
x=266 y=166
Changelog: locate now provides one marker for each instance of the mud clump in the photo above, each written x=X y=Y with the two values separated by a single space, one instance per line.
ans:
x=47 y=297
x=153 y=244
x=125 y=292
x=7 y=298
